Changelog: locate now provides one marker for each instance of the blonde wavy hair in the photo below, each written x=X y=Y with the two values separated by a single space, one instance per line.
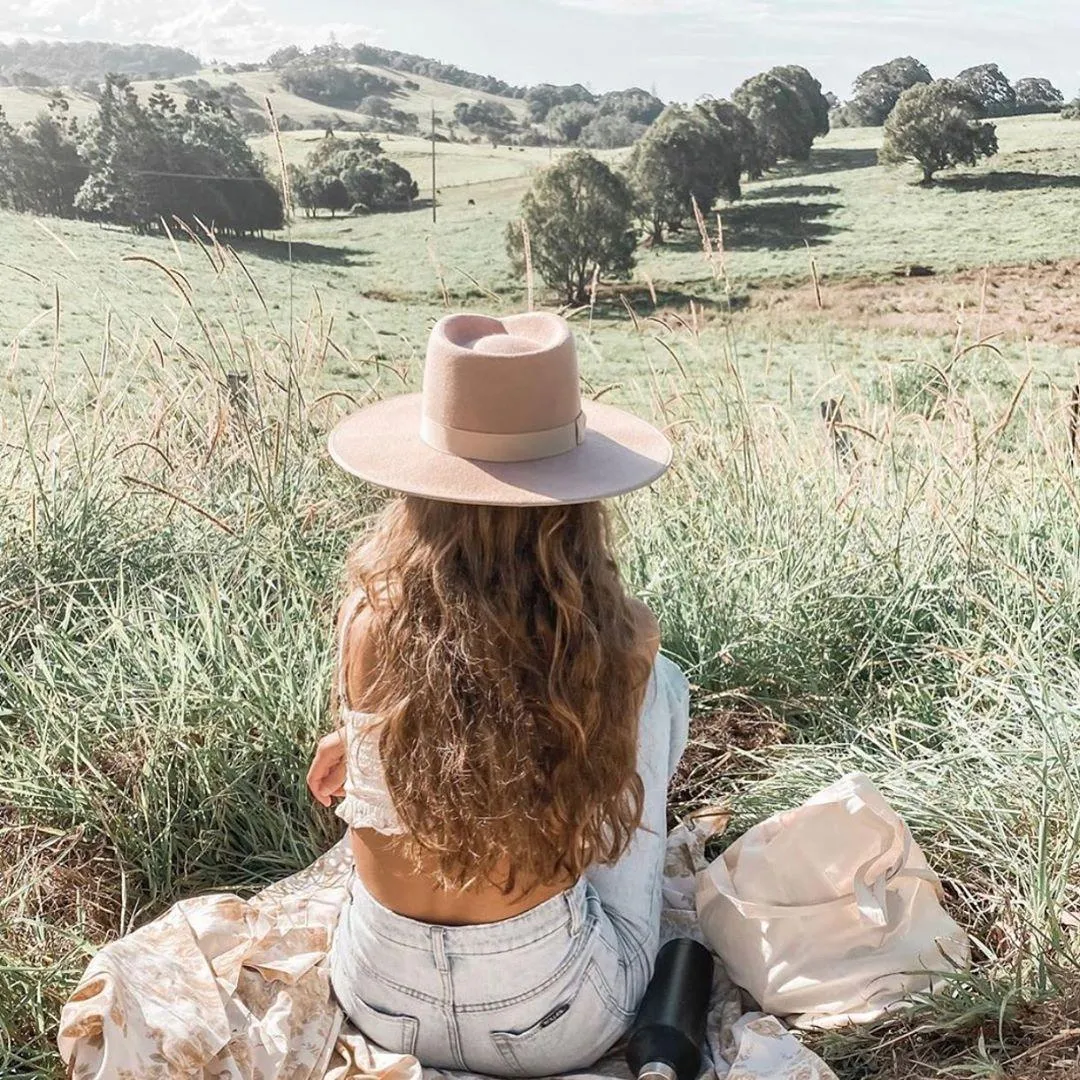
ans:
x=507 y=669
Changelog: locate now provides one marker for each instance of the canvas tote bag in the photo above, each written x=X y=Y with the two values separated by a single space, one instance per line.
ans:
x=829 y=914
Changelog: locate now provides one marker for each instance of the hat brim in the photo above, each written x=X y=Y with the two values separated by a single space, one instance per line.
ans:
x=381 y=444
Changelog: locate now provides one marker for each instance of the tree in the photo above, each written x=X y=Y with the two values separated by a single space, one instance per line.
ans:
x=788 y=109
x=543 y=97
x=676 y=162
x=994 y=92
x=1038 y=96
x=738 y=131
x=1072 y=110
x=340 y=173
x=939 y=126
x=568 y=121
x=636 y=105
x=878 y=89
x=609 y=132
x=485 y=117
x=580 y=221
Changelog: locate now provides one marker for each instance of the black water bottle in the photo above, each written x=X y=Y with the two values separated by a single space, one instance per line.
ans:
x=665 y=1041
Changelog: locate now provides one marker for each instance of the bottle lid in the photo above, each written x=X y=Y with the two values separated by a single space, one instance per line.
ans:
x=657 y=1070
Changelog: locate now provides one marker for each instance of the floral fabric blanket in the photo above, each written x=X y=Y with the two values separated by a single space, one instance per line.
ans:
x=222 y=988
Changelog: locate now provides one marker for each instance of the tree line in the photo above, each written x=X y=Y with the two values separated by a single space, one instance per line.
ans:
x=410 y=63
x=583 y=218
x=79 y=63
x=139 y=165
x=877 y=90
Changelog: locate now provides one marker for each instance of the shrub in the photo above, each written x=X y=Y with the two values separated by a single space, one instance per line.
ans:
x=939 y=126
x=580 y=222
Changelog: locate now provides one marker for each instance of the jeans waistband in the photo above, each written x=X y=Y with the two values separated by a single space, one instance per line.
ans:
x=566 y=910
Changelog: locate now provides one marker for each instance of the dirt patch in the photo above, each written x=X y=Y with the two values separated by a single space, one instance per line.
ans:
x=61 y=876
x=722 y=743
x=1038 y=303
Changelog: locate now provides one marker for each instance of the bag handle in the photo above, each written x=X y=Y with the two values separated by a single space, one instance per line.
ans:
x=869 y=894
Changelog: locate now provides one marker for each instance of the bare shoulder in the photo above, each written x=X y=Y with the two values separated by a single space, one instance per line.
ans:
x=648 y=629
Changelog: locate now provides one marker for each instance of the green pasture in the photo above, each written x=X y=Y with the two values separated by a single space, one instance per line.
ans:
x=899 y=595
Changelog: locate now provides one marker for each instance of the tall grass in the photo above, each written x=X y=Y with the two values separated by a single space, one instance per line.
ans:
x=170 y=554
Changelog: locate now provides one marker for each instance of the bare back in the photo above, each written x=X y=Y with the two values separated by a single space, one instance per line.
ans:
x=393 y=879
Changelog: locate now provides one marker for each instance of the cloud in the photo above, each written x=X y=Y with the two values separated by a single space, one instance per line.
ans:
x=233 y=30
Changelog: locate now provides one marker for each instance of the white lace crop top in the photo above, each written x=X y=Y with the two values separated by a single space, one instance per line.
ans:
x=367 y=803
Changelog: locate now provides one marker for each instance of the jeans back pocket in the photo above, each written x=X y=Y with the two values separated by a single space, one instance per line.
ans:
x=395 y=1032
x=571 y=1032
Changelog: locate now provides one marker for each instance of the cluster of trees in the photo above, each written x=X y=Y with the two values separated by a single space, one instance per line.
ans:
x=700 y=154
x=41 y=170
x=232 y=99
x=878 y=89
x=350 y=174
x=491 y=119
x=73 y=63
x=583 y=218
x=398 y=61
x=334 y=84
x=578 y=117
x=139 y=165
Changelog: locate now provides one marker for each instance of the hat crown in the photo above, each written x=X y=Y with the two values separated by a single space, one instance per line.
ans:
x=507 y=376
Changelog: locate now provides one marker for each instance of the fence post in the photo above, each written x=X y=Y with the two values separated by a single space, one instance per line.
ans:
x=237 y=384
x=1074 y=425
x=843 y=448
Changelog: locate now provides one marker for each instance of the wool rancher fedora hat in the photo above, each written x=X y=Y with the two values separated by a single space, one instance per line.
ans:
x=500 y=421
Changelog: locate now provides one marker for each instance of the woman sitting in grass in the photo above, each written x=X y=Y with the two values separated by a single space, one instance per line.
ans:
x=508 y=728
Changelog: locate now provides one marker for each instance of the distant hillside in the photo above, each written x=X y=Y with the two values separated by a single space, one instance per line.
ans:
x=358 y=88
x=75 y=63
x=410 y=63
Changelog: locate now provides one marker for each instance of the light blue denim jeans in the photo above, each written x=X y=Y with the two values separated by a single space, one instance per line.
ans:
x=544 y=992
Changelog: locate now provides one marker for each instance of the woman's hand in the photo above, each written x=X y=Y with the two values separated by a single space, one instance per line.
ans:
x=326 y=777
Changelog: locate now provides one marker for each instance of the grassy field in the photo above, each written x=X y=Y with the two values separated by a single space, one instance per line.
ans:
x=905 y=600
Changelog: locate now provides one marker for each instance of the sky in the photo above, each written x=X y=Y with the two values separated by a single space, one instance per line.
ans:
x=682 y=49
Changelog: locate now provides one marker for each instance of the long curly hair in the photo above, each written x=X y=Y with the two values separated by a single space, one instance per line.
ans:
x=507 y=671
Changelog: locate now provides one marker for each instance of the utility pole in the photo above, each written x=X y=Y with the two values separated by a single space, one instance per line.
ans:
x=434 y=209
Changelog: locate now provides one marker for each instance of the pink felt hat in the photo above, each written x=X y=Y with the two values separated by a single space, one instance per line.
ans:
x=500 y=421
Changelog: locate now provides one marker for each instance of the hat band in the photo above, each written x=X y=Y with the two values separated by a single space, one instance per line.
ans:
x=516 y=446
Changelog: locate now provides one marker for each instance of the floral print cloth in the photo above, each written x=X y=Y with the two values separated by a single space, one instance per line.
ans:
x=220 y=988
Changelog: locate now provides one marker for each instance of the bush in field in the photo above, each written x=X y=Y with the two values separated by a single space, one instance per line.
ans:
x=939 y=126
x=878 y=89
x=340 y=173
x=788 y=109
x=688 y=155
x=579 y=218
x=989 y=86
x=1072 y=110
x=1038 y=96
x=731 y=125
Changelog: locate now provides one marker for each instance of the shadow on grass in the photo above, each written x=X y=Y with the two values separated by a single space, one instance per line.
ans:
x=302 y=252
x=610 y=304
x=790 y=191
x=776 y=226
x=1007 y=181
x=827 y=160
